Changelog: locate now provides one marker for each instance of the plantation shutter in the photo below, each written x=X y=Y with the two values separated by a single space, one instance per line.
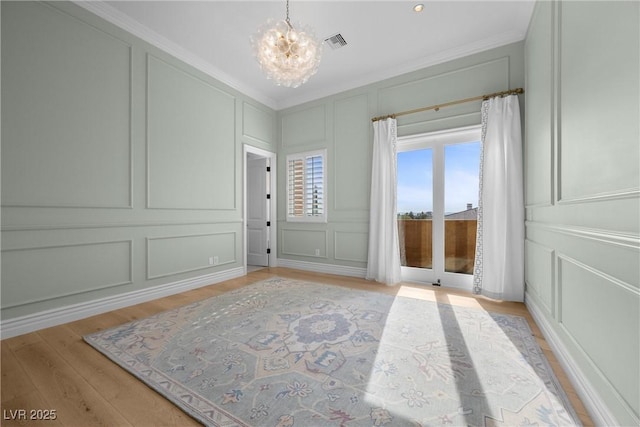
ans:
x=314 y=179
x=296 y=187
x=306 y=186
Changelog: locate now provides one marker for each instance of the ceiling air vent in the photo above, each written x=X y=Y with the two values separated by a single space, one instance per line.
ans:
x=336 y=41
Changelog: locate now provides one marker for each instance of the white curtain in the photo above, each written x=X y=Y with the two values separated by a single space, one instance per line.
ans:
x=499 y=263
x=384 y=250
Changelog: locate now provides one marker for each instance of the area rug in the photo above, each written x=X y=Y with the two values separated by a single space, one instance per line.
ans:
x=284 y=353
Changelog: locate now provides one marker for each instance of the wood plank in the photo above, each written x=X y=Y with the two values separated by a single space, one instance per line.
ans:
x=97 y=323
x=16 y=343
x=15 y=381
x=140 y=311
x=75 y=401
x=29 y=409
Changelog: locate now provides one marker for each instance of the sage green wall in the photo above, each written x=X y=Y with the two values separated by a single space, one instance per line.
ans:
x=342 y=125
x=121 y=166
x=582 y=189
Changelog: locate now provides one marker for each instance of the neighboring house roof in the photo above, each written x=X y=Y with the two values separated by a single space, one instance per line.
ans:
x=467 y=214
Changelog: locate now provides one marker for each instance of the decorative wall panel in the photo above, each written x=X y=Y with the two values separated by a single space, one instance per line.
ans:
x=66 y=111
x=257 y=124
x=540 y=274
x=309 y=243
x=599 y=110
x=353 y=139
x=304 y=127
x=43 y=273
x=351 y=246
x=169 y=255
x=539 y=150
x=190 y=141
x=601 y=314
x=484 y=77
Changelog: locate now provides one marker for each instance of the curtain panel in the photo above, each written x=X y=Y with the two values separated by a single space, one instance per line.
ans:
x=384 y=249
x=499 y=260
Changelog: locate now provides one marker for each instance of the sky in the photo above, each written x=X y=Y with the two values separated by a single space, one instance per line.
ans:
x=415 y=180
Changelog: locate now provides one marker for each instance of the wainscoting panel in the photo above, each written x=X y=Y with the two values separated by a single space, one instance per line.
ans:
x=352 y=140
x=304 y=127
x=258 y=124
x=584 y=57
x=610 y=252
x=171 y=255
x=190 y=141
x=66 y=114
x=304 y=242
x=38 y=274
x=540 y=275
x=351 y=245
x=600 y=313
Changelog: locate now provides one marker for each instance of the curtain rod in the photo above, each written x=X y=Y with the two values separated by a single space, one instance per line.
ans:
x=447 y=104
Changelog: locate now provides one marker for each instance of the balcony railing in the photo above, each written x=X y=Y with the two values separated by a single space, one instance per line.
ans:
x=459 y=245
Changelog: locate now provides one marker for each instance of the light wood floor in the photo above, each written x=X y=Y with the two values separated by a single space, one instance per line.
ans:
x=54 y=369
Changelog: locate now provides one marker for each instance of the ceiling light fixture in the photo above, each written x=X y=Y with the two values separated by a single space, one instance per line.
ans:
x=418 y=8
x=288 y=56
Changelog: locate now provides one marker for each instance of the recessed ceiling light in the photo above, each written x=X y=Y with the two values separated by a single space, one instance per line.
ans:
x=418 y=8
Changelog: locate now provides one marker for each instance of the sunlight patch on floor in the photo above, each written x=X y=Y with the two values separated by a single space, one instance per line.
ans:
x=432 y=295
x=426 y=376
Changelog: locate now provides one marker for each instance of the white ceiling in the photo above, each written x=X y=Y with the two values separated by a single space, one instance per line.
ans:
x=385 y=38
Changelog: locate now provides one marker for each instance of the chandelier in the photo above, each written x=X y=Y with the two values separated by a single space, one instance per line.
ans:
x=286 y=55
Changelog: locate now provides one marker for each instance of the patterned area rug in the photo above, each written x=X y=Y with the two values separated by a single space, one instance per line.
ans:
x=288 y=353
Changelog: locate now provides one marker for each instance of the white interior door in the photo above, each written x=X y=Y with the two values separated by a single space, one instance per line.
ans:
x=257 y=212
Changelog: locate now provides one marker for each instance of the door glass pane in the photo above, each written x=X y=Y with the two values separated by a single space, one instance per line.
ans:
x=415 y=207
x=461 y=184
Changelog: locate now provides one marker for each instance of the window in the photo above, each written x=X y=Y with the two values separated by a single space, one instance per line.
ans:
x=306 y=185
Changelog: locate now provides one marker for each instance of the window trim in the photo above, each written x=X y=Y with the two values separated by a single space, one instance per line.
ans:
x=303 y=156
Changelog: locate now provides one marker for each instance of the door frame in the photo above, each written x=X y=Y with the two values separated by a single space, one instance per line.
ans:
x=273 y=233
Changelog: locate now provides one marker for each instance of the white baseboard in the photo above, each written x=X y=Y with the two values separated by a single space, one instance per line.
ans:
x=57 y=316
x=598 y=410
x=317 y=267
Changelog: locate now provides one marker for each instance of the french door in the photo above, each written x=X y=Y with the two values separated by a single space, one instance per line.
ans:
x=438 y=183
